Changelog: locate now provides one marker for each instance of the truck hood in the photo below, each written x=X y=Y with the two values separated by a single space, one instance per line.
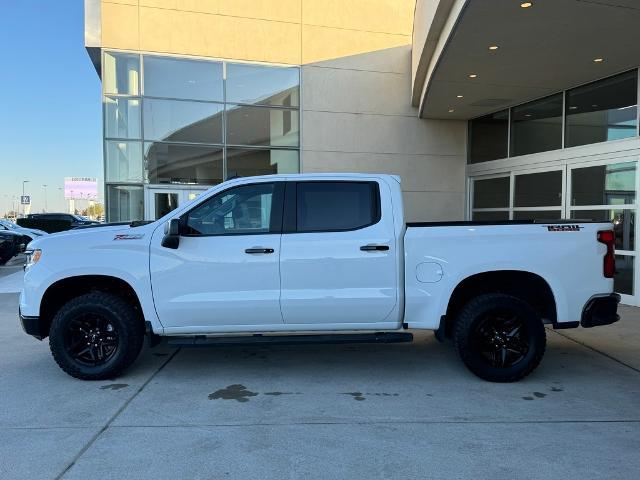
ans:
x=96 y=237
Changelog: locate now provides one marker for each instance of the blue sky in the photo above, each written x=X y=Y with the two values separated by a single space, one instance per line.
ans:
x=50 y=122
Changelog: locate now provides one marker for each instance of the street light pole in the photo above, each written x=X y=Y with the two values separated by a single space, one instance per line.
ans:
x=45 y=197
x=23 y=207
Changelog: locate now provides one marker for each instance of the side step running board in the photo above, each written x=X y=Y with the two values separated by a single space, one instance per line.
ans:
x=248 y=340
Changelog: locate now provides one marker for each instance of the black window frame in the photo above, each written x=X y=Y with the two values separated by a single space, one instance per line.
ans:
x=290 y=215
x=275 y=221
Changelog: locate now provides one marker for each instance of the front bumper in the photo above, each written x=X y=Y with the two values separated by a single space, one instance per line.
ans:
x=600 y=310
x=33 y=326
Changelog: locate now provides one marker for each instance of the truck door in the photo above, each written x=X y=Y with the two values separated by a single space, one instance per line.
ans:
x=338 y=254
x=225 y=270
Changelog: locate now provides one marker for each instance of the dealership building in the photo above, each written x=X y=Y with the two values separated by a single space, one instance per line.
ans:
x=487 y=110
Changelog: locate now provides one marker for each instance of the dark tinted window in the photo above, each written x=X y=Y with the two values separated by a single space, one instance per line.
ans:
x=491 y=193
x=537 y=126
x=538 y=189
x=488 y=137
x=241 y=210
x=331 y=206
x=601 y=111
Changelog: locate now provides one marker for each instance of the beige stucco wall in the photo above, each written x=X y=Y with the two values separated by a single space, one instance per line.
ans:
x=356 y=81
x=357 y=117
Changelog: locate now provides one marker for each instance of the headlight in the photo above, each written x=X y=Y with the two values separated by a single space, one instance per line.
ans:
x=33 y=257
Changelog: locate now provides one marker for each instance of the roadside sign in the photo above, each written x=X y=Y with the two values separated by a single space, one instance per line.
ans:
x=25 y=199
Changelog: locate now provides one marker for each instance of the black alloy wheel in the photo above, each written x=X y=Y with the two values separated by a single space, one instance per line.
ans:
x=91 y=339
x=500 y=338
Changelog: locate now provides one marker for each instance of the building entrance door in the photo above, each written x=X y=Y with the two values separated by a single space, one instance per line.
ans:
x=161 y=200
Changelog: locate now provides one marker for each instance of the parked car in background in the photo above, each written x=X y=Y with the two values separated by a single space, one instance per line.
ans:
x=55 y=222
x=11 y=244
x=76 y=220
x=32 y=233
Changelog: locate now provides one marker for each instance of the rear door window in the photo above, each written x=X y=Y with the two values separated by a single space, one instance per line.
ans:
x=336 y=206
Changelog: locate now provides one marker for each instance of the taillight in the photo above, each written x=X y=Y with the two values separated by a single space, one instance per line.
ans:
x=608 y=238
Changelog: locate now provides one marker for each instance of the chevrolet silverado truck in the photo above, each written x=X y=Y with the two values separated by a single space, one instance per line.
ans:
x=286 y=259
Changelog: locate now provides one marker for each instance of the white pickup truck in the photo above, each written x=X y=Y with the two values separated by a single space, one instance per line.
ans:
x=314 y=258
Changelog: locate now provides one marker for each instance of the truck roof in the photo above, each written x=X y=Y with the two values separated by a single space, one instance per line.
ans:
x=327 y=175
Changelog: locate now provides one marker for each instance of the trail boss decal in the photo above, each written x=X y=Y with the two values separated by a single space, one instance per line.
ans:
x=564 y=228
x=124 y=236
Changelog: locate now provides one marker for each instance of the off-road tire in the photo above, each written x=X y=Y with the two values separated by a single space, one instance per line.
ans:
x=466 y=337
x=123 y=318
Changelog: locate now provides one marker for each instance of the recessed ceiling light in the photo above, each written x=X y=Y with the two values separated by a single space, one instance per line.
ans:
x=493 y=47
x=573 y=107
x=527 y=114
x=459 y=96
x=598 y=60
x=472 y=75
x=451 y=110
x=526 y=4
x=594 y=106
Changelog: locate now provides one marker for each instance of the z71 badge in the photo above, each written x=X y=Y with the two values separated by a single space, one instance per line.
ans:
x=564 y=228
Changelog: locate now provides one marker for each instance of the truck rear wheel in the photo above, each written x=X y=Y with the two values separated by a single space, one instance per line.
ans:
x=96 y=336
x=500 y=338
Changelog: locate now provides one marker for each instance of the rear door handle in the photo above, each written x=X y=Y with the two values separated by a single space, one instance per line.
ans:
x=259 y=250
x=374 y=248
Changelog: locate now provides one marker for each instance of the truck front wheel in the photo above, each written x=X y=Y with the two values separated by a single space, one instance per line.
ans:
x=500 y=338
x=96 y=336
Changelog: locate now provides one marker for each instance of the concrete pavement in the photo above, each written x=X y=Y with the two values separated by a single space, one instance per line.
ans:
x=332 y=411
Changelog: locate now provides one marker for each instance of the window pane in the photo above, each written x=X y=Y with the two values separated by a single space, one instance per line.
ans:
x=124 y=161
x=623 y=280
x=122 y=117
x=261 y=85
x=164 y=203
x=245 y=162
x=120 y=73
x=601 y=111
x=179 y=121
x=491 y=193
x=537 y=126
x=323 y=206
x=490 y=216
x=182 y=78
x=262 y=126
x=623 y=224
x=488 y=137
x=170 y=163
x=538 y=189
x=125 y=203
x=538 y=215
x=245 y=209
x=613 y=184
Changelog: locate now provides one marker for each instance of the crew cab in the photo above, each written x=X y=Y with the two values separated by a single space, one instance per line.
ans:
x=315 y=258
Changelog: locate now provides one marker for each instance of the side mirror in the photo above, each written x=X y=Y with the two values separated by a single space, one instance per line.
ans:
x=171 y=237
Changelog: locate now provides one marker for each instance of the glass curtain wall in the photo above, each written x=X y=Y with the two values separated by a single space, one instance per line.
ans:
x=601 y=111
x=181 y=121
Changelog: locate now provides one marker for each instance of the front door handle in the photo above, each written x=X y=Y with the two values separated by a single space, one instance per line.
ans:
x=374 y=248
x=259 y=250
